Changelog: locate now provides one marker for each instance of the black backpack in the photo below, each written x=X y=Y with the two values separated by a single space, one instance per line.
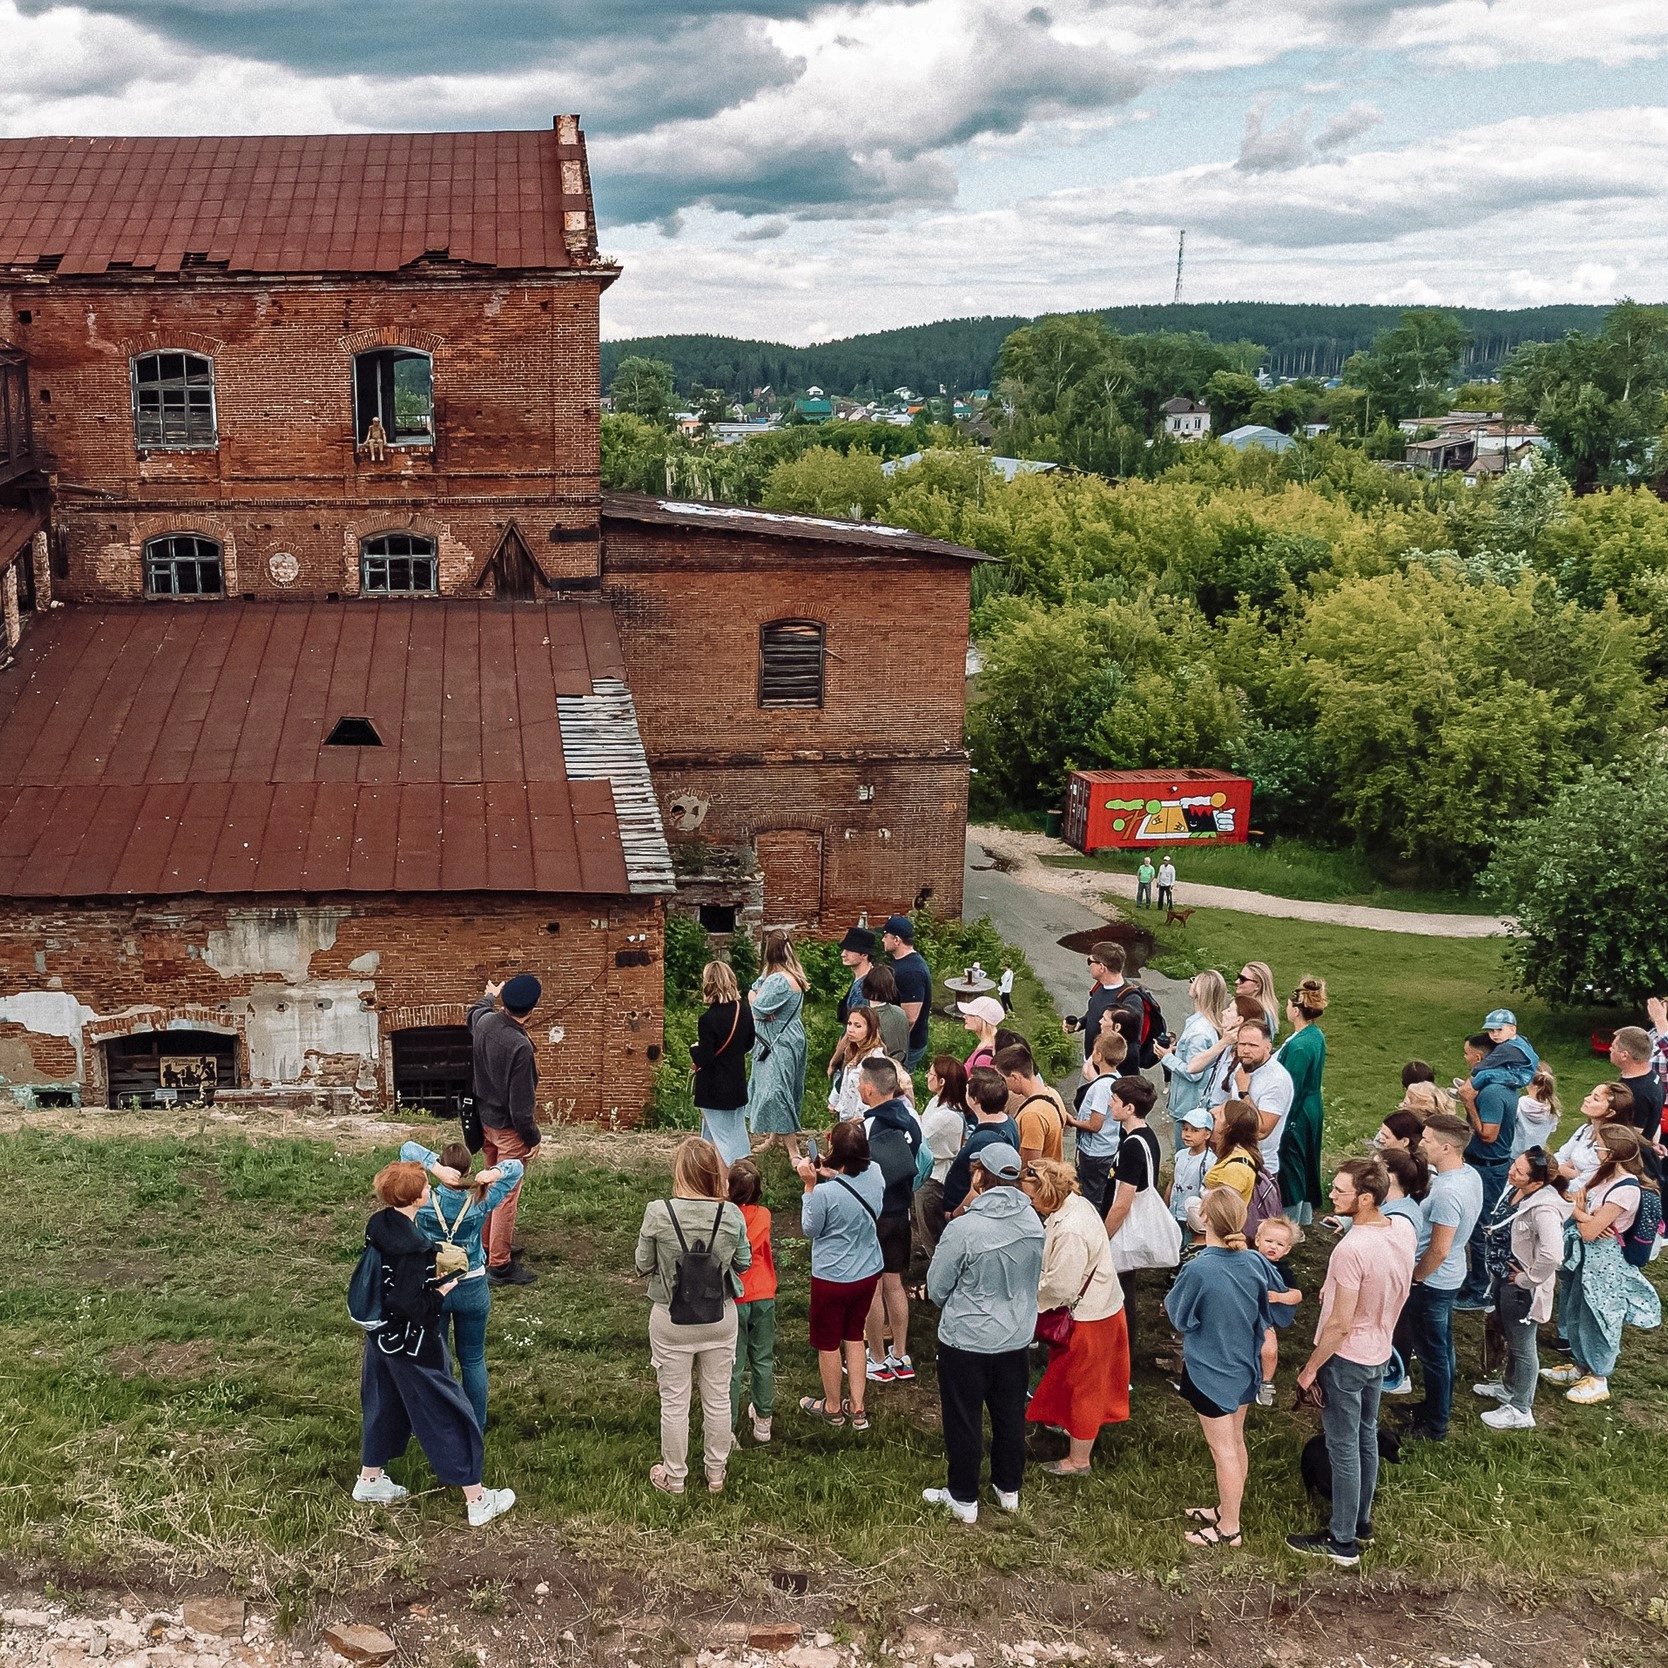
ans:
x=364 y=1297
x=1152 y=1025
x=698 y=1290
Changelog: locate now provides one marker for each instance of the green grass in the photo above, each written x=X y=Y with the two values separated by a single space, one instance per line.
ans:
x=1288 y=869
x=180 y=1394
x=1394 y=997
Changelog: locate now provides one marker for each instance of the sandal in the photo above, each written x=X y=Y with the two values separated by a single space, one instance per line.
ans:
x=916 y=1294
x=1059 y=1468
x=819 y=1408
x=664 y=1481
x=1206 y=1515
x=1210 y=1535
x=858 y=1416
x=715 y=1482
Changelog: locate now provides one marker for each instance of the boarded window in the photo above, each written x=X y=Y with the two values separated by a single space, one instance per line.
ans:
x=395 y=386
x=791 y=664
x=173 y=400
x=397 y=564
x=183 y=565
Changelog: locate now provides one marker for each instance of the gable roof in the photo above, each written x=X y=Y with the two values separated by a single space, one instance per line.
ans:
x=166 y=748
x=336 y=202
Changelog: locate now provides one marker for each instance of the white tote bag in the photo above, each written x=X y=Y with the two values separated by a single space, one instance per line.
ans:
x=1150 y=1236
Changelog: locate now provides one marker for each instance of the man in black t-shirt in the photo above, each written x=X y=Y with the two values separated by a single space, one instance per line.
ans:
x=1630 y=1053
x=1110 y=995
x=1136 y=1170
x=914 y=978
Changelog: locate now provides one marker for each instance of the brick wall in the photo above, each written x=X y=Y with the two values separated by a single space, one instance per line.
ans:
x=515 y=397
x=347 y=970
x=877 y=775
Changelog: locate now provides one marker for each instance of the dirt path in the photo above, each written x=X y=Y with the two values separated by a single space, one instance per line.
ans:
x=1088 y=886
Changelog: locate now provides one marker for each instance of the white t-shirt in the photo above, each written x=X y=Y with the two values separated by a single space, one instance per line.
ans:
x=1271 y=1090
x=1582 y=1153
x=1102 y=1142
x=943 y=1129
x=1535 y=1124
x=1188 y=1182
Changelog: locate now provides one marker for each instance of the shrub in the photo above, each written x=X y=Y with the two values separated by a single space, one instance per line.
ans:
x=687 y=953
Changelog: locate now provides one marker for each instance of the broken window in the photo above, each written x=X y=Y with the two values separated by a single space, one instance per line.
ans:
x=353 y=732
x=397 y=564
x=395 y=387
x=183 y=565
x=173 y=400
x=791 y=664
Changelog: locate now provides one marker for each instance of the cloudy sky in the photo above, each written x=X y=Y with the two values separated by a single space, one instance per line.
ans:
x=796 y=170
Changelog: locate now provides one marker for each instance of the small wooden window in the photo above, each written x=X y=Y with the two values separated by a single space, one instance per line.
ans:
x=397 y=564
x=173 y=400
x=791 y=663
x=183 y=565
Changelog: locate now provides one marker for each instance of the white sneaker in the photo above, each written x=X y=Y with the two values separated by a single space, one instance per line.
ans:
x=1508 y=1418
x=379 y=1491
x=1561 y=1375
x=1008 y=1502
x=1495 y=1392
x=1265 y=1394
x=957 y=1509
x=761 y=1427
x=493 y=1502
x=1402 y=1387
x=1589 y=1389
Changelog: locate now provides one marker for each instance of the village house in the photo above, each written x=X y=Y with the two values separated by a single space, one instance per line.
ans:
x=331 y=683
x=1185 y=419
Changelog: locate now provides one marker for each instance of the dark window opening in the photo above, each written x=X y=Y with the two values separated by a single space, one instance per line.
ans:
x=397 y=564
x=353 y=732
x=394 y=386
x=173 y=400
x=434 y=1067
x=183 y=565
x=718 y=917
x=25 y=316
x=170 y=1067
x=791 y=664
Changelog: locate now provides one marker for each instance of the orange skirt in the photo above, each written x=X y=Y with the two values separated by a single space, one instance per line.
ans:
x=1087 y=1383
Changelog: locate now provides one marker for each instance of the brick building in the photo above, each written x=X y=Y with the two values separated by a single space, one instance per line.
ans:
x=330 y=681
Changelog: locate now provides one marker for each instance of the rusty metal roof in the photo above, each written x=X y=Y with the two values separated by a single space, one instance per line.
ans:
x=869 y=537
x=17 y=527
x=337 y=202
x=164 y=748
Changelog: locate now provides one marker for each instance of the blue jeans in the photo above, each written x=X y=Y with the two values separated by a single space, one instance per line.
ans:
x=466 y=1306
x=1351 y=1425
x=1143 y=894
x=1478 y=1286
x=1433 y=1343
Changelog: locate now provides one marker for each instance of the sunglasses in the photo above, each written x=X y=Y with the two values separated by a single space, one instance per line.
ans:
x=1242 y=979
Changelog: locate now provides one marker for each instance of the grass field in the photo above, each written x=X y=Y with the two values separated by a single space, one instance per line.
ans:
x=179 y=1396
x=1288 y=869
x=1394 y=997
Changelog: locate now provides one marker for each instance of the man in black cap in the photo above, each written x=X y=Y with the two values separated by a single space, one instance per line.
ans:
x=914 y=978
x=506 y=1082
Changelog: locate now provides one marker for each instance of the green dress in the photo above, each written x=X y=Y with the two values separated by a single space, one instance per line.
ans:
x=1304 y=1056
x=777 y=1086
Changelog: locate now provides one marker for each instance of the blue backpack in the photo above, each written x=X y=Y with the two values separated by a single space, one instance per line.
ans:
x=1639 y=1241
x=364 y=1296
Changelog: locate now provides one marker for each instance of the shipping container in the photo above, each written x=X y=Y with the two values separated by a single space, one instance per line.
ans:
x=1149 y=808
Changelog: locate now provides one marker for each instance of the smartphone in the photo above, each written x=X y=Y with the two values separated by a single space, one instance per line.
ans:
x=811 y=1152
x=1165 y=1040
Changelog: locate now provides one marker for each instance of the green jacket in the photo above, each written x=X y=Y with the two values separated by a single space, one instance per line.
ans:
x=658 y=1249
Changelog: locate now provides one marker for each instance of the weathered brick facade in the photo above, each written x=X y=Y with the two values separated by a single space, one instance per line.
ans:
x=314 y=990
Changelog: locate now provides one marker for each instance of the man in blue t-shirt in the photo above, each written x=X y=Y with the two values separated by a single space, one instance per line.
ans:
x=1501 y=1065
x=914 y=978
x=987 y=1094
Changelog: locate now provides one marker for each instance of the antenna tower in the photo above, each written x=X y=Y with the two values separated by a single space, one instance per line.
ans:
x=1181 y=245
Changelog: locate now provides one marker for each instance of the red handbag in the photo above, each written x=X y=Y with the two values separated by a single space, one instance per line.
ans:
x=1054 y=1326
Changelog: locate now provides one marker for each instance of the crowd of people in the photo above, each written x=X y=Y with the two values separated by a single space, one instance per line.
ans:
x=1033 y=1221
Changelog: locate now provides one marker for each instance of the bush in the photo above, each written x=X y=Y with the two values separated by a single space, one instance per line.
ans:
x=687 y=953
x=1587 y=880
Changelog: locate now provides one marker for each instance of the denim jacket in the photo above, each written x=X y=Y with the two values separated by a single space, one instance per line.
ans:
x=467 y=1235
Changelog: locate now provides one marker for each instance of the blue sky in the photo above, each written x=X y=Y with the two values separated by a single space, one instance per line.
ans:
x=799 y=170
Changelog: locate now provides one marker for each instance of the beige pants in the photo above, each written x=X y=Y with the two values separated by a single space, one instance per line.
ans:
x=683 y=1355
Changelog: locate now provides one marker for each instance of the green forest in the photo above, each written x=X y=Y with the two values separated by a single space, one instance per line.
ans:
x=1405 y=664
x=961 y=354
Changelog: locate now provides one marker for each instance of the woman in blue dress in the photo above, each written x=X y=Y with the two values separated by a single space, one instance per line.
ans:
x=778 y=1083
x=1188 y=1063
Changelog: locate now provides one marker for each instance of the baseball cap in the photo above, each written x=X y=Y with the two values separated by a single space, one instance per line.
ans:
x=1000 y=1159
x=986 y=1008
x=1199 y=1118
x=1499 y=1017
x=859 y=939
x=900 y=926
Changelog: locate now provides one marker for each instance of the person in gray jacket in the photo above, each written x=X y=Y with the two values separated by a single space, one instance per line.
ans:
x=984 y=1277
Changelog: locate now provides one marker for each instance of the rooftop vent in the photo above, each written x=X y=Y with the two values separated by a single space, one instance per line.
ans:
x=353 y=732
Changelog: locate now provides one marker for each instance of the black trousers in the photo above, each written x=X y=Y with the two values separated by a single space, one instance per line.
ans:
x=968 y=1383
x=401 y=1397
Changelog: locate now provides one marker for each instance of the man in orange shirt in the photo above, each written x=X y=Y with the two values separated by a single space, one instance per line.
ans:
x=1036 y=1108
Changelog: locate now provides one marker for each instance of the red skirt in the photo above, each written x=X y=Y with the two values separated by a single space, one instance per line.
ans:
x=1087 y=1383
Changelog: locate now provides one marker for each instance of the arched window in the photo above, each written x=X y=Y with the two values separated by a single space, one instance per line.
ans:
x=395 y=386
x=183 y=565
x=397 y=564
x=791 y=663
x=173 y=400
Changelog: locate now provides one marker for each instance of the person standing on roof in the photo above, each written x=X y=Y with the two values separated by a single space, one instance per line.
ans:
x=914 y=978
x=506 y=1084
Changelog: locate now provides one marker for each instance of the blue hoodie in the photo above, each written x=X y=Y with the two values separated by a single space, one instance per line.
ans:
x=985 y=1272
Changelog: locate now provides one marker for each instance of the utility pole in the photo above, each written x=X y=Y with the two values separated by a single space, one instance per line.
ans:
x=1181 y=245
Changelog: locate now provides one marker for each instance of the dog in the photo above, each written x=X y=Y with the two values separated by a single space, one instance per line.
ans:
x=1177 y=917
x=1316 y=1463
